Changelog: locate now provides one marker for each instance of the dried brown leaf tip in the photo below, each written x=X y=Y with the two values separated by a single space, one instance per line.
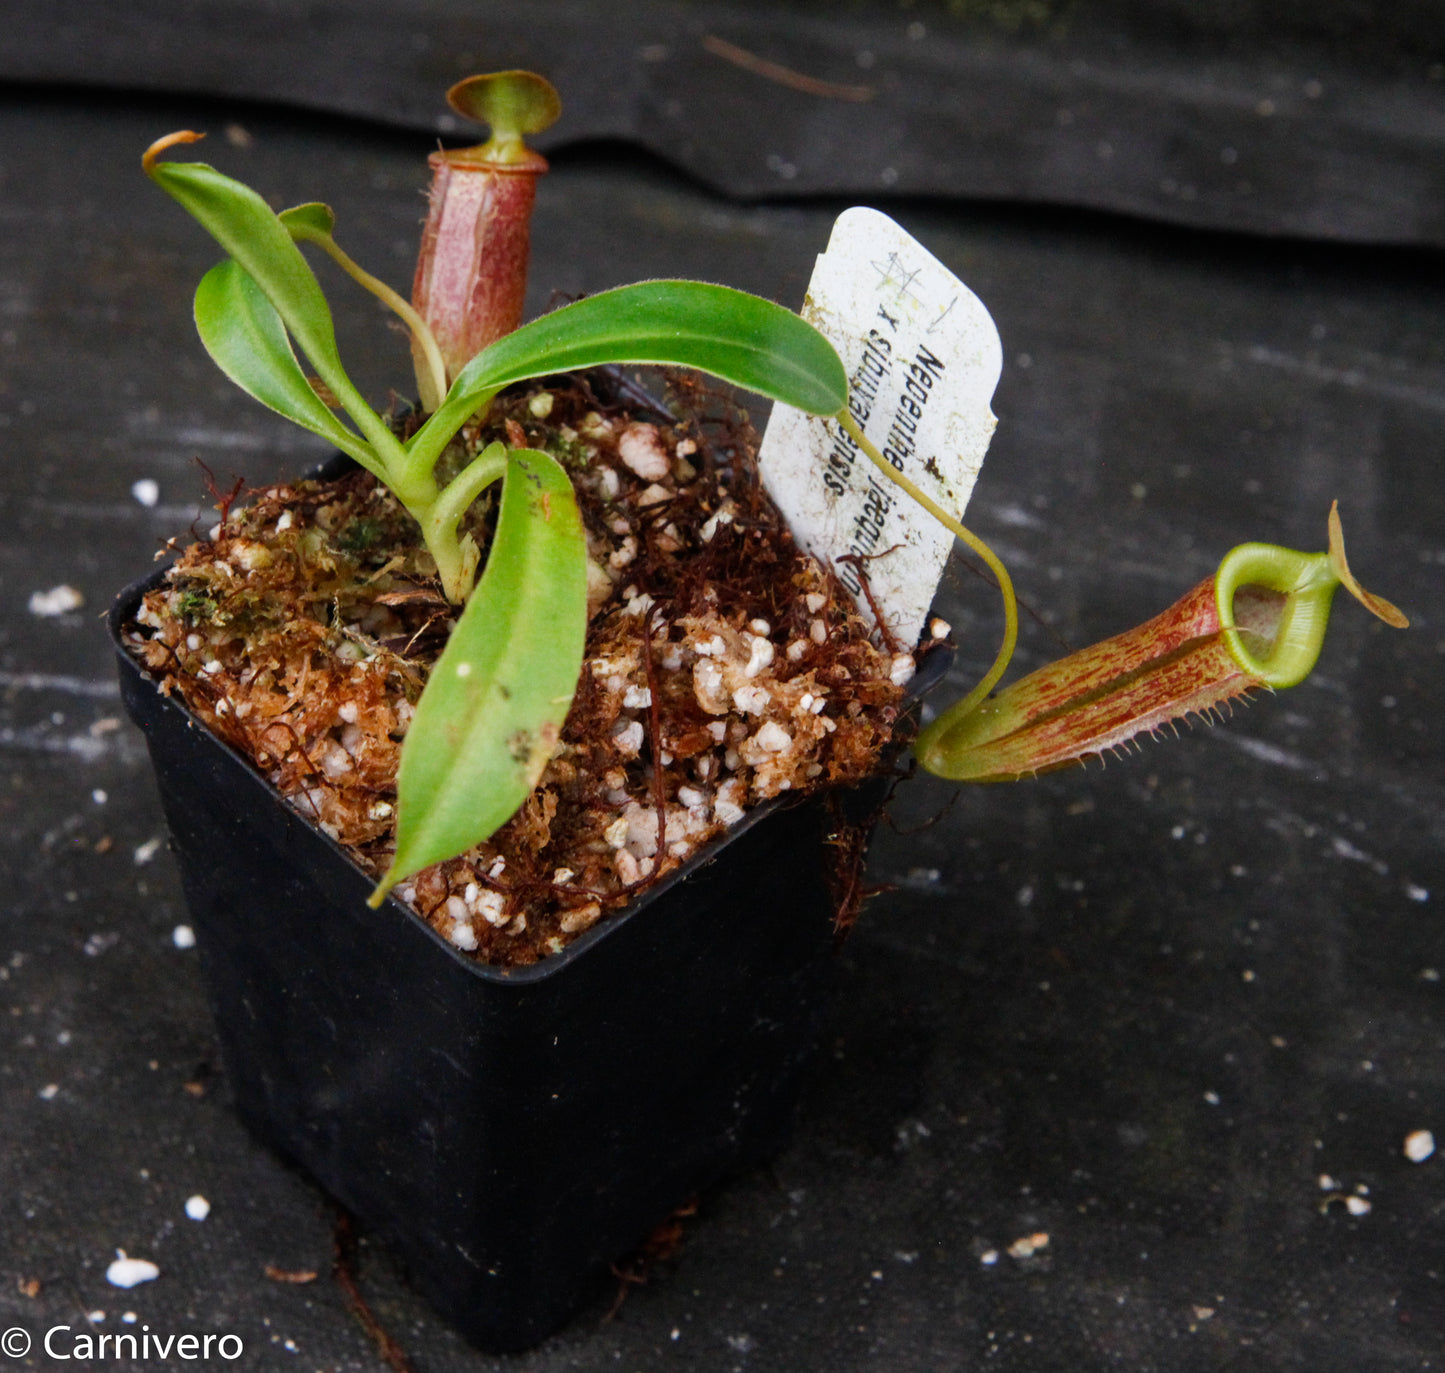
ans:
x=170 y=140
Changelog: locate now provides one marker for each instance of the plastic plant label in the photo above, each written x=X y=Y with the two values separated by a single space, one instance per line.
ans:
x=923 y=358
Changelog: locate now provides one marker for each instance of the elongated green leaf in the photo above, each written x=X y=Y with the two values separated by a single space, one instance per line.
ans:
x=741 y=338
x=247 y=341
x=248 y=229
x=493 y=709
x=250 y=232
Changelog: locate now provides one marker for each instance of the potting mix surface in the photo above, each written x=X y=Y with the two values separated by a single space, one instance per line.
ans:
x=723 y=666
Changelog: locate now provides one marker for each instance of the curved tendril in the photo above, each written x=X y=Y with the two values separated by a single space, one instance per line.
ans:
x=994 y=563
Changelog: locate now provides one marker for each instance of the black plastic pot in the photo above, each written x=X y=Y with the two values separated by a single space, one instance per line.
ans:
x=509 y=1132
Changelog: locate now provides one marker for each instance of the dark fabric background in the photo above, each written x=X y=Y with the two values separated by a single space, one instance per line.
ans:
x=1143 y=1008
x=1323 y=119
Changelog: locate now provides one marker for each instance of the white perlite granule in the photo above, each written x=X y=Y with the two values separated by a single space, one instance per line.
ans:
x=129 y=1272
x=59 y=600
x=1419 y=1145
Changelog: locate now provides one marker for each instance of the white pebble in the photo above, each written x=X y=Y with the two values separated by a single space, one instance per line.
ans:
x=146 y=491
x=1028 y=1245
x=760 y=655
x=723 y=516
x=815 y=601
x=492 y=905
x=197 y=1207
x=580 y=918
x=620 y=557
x=641 y=449
x=616 y=833
x=128 y=1272
x=902 y=670
x=637 y=698
x=727 y=808
x=751 y=700
x=183 y=937
x=1419 y=1145
x=773 y=737
x=59 y=600
x=1357 y=1206
x=145 y=852
x=594 y=426
x=627 y=740
x=49 y=1092
x=939 y=629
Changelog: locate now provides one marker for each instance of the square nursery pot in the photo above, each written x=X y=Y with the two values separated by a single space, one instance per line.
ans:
x=509 y=1132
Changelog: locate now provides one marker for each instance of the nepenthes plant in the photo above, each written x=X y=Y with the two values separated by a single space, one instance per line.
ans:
x=492 y=711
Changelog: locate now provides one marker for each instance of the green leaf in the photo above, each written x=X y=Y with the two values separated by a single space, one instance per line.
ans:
x=309 y=222
x=493 y=708
x=250 y=232
x=742 y=338
x=246 y=339
x=248 y=229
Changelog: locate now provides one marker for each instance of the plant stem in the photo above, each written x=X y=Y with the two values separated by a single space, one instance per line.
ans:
x=456 y=565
